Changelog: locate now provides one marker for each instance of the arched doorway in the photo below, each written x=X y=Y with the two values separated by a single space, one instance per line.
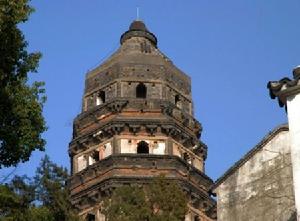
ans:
x=141 y=90
x=143 y=147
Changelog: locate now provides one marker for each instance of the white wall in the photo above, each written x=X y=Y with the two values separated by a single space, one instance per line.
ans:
x=262 y=188
x=293 y=106
x=155 y=146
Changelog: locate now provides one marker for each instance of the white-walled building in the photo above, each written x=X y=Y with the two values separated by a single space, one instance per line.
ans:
x=265 y=184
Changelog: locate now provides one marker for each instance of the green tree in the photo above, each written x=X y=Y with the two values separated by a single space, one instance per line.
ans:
x=17 y=202
x=51 y=190
x=8 y=201
x=16 y=199
x=167 y=200
x=161 y=200
x=127 y=203
x=21 y=104
x=42 y=198
x=41 y=213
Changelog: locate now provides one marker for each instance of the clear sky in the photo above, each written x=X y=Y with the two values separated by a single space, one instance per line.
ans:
x=230 y=49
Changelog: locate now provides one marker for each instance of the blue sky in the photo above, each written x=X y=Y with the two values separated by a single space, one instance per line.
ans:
x=230 y=49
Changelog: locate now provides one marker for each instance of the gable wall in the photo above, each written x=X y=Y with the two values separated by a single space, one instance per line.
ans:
x=262 y=188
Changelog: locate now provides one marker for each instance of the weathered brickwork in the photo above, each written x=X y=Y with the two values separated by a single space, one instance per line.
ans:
x=136 y=123
x=260 y=186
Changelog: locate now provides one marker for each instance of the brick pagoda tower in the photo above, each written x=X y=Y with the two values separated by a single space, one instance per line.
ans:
x=136 y=123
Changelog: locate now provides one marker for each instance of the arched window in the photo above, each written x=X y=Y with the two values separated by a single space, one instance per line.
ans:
x=177 y=101
x=96 y=155
x=143 y=147
x=187 y=158
x=90 y=217
x=100 y=98
x=196 y=218
x=141 y=91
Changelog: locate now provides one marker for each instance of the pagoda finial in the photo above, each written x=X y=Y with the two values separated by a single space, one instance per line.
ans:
x=138 y=29
x=137 y=13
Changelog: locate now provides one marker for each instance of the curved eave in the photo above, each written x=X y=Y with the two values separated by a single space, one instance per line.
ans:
x=283 y=89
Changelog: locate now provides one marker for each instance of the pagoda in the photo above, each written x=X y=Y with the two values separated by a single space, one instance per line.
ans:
x=136 y=123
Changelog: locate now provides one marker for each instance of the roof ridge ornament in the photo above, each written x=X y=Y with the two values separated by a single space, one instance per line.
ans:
x=285 y=87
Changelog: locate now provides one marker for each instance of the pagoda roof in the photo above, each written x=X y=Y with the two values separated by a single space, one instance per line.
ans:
x=138 y=46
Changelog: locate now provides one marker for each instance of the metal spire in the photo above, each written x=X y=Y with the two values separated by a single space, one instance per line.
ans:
x=137 y=13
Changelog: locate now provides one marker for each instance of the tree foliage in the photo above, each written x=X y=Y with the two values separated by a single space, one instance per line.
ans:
x=161 y=200
x=42 y=198
x=167 y=200
x=127 y=203
x=51 y=190
x=21 y=104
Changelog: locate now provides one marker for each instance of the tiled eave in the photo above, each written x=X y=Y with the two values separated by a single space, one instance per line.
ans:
x=284 y=88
